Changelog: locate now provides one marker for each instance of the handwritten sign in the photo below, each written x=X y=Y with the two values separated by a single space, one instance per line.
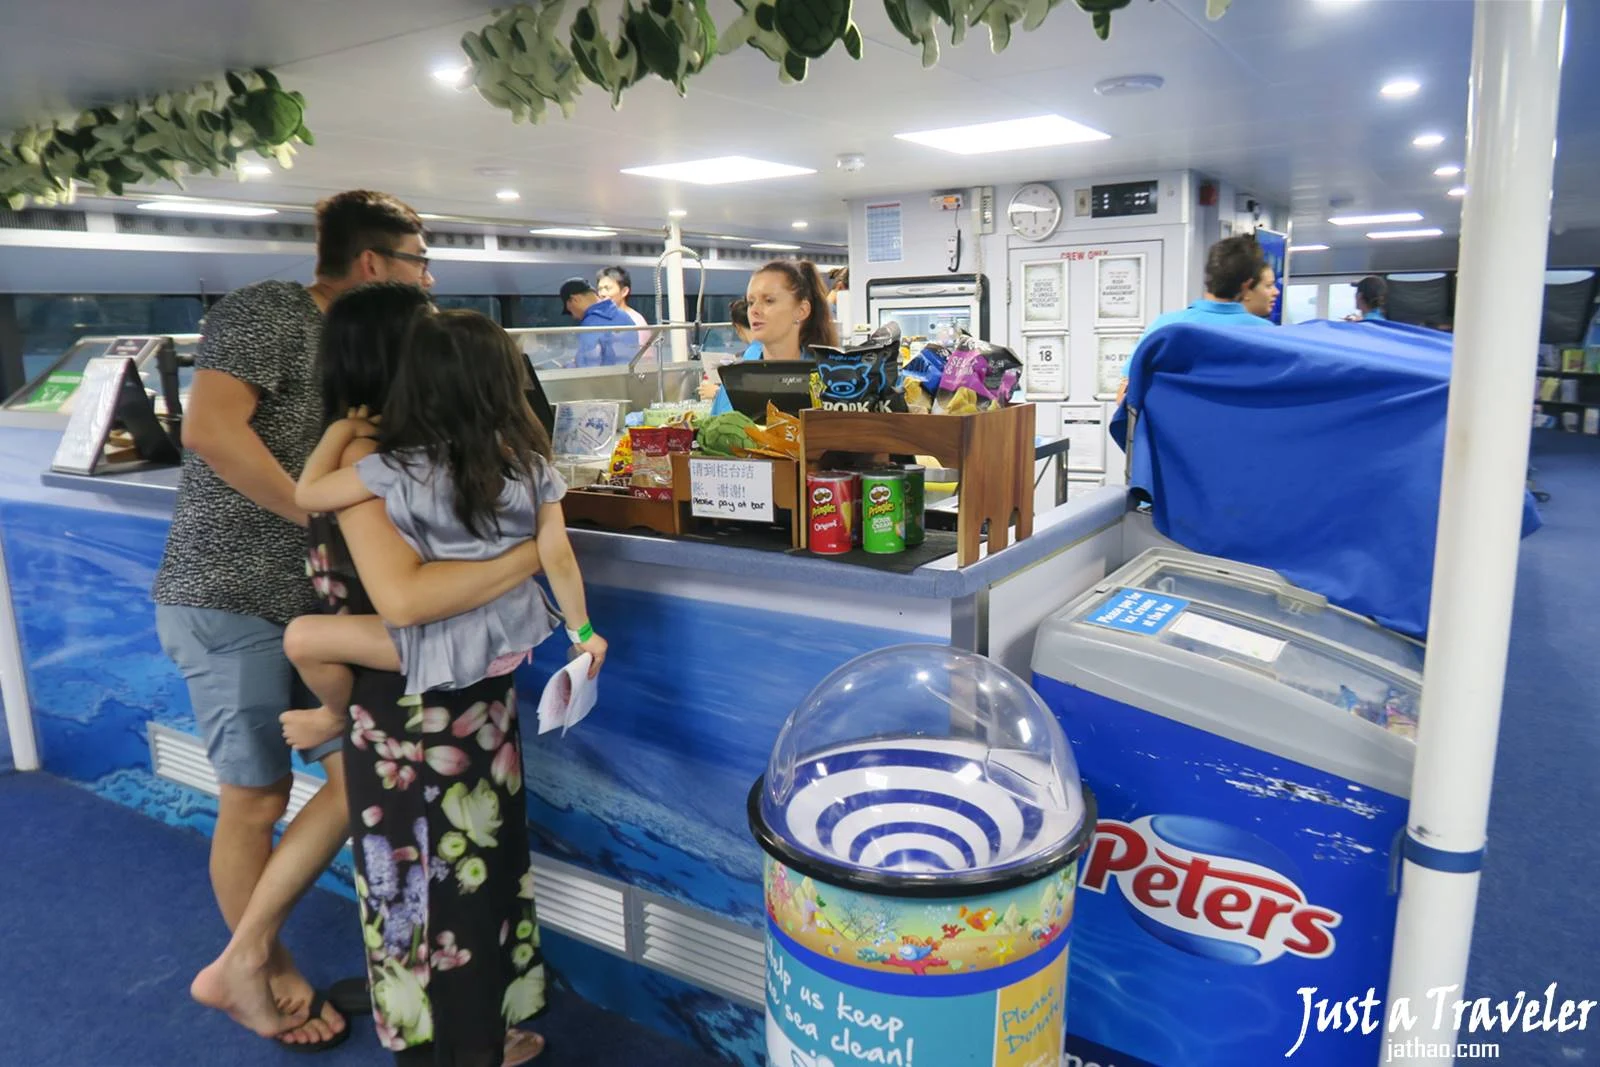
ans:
x=1045 y=364
x=738 y=489
x=94 y=406
x=1120 y=290
x=1044 y=293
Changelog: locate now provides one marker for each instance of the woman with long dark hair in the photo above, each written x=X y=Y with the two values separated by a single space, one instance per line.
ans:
x=786 y=305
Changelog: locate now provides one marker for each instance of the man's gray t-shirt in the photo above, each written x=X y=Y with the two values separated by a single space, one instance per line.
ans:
x=225 y=552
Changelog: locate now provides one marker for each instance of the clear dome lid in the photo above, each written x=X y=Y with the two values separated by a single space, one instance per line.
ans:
x=922 y=765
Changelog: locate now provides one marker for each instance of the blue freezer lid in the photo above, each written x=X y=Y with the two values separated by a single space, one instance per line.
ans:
x=1232 y=649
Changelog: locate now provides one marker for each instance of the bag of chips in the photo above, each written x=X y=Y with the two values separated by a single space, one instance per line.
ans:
x=977 y=376
x=652 y=458
x=863 y=377
x=778 y=439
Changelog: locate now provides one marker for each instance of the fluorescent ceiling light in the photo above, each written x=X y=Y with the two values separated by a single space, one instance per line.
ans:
x=723 y=170
x=454 y=77
x=775 y=246
x=1039 y=132
x=1390 y=235
x=1428 y=140
x=799 y=224
x=573 y=231
x=1308 y=248
x=1460 y=190
x=1401 y=87
x=182 y=206
x=1449 y=170
x=1376 y=220
x=427 y=215
x=677 y=213
x=253 y=169
x=508 y=195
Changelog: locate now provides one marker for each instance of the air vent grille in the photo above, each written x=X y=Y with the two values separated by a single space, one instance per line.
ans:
x=64 y=221
x=455 y=240
x=708 y=952
x=233 y=229
x=181 y=758
x=577 y=903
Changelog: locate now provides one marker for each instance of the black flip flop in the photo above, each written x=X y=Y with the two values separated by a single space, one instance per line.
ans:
x=351 y=996
x=318 y=1002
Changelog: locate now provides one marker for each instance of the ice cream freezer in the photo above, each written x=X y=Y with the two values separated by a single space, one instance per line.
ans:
x=1251 y=748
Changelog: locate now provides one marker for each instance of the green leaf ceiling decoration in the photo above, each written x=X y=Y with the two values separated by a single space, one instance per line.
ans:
x=160 y=138
x=520 y=64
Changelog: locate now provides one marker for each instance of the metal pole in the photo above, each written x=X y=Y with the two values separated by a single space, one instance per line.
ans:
x=675 y=301
x=14 y=683
x=1511 y=124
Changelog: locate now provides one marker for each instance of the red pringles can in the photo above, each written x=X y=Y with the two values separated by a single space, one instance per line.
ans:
x=831 y=499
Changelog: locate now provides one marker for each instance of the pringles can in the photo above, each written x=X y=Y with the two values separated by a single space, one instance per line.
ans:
x=916 y=504
x=832 y=510
x=883 y=497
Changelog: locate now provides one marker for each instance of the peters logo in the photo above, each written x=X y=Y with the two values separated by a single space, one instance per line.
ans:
x=1209 y=889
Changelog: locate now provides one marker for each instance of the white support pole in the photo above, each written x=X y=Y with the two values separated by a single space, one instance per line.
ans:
x=14 y=683
x=675 y=299
x=1511 y=124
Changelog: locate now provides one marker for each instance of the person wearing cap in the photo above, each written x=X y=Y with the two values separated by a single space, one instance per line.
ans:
x=1372 y=297
x=581 y=302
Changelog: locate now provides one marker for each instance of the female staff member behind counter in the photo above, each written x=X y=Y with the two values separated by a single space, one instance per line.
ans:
x=787 y=314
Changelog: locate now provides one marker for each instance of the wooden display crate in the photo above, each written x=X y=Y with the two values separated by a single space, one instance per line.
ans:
x=993 y=450
x=788 y=493
x=618 y=510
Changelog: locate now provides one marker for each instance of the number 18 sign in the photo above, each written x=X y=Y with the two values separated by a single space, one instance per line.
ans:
x=1045 y=363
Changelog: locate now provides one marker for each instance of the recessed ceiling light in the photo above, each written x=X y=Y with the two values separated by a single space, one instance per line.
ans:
x=1460 y=190
x=1040 y=131
x=253 y=169
x=677 y=213
x=453 y=76
x=574 y=231
x=1449 y=170
x=1129 y=85
x=776 y=246
x=508 y=195
x=1428 y=140
x=723 y=170
x=728 y=237
x=179 y=205
x=428 y=215
x=1376 y=220
x=799 y=224
x=1390 y=235
x=1400 y=87
x=1308 y=248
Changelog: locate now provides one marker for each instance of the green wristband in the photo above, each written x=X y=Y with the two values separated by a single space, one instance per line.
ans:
x=581 y=634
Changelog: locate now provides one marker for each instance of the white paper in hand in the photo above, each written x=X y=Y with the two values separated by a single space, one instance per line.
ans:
x=568 y=697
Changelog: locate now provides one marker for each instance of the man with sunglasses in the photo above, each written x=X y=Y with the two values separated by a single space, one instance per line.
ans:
x=234 y=574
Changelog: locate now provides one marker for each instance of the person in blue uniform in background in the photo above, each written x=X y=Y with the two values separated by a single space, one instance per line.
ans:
x=1241 y=288
x=1372 y=300
x=584 y=304
x=739 y=312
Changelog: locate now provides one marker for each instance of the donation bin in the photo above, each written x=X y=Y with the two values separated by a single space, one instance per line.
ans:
x=1250 y=748
x=922 y=819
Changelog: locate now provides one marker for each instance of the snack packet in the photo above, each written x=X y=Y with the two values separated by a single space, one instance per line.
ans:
x=779 y=438
x=653 y=447
x=989 y=372
x=620 y=470
x=864 y=377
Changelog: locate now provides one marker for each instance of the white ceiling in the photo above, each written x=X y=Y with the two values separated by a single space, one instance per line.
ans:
x=1280 y=98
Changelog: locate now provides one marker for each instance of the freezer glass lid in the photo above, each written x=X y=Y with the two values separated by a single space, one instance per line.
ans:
x=922 y=762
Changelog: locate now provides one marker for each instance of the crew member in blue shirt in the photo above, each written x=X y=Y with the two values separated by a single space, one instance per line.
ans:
x=584 y=304
x=1241 y=288
x=1372 y=298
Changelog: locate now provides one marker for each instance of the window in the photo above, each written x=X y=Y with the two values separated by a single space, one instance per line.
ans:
x=485 y=305
x=1300 y=302
x=1341 y=300
x=50 y=324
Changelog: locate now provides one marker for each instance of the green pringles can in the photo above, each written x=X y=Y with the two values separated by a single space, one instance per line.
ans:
x=916 y=504
x=883 y=511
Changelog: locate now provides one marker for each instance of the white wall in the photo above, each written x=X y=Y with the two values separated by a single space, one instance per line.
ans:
x=1187 y=228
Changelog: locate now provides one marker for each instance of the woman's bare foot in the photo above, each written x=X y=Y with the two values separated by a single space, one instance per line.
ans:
x=307 y=728
x=522 y=1046
x=237 y=985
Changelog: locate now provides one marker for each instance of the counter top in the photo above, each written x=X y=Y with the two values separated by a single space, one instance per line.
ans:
x=941 y=580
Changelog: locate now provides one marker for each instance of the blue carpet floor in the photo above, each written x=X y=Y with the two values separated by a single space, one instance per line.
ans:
x=1534 y=923
x=95 y=974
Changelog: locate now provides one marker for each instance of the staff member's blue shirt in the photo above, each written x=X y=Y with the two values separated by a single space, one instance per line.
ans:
x=602 y=349
x=1209 y=312
x=1375 y=315
x=722 y=405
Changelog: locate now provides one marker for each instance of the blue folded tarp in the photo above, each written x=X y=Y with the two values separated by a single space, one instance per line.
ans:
x=1315 y=450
